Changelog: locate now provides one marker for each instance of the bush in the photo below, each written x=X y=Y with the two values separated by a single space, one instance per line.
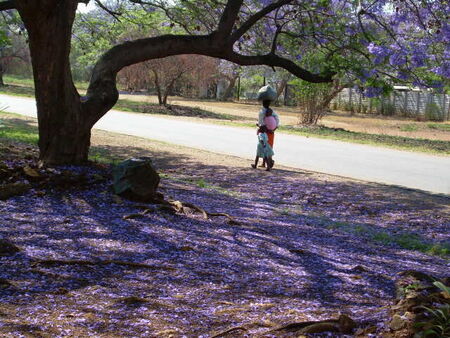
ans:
x=388 y=109
x=433 y=112
x=313 y=100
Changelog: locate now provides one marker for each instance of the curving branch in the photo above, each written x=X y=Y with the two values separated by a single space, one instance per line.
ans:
x=6 y=5
x=256 y=17
x=102 y=93
x=273 y=60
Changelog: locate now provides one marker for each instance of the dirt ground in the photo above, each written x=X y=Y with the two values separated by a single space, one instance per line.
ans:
x=289 y=116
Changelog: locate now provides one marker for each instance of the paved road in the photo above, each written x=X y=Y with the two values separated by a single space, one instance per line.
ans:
x=374 y=164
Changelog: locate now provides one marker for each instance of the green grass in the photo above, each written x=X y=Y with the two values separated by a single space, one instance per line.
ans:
x=28 y=82
x=17 y=90
x=202 y=183
x=173 y=110
x=10 y=130
x=409 y=241
x=409 y=127
x=398 y=142
x=439 y=126
x=17 y=80
x=20 y=131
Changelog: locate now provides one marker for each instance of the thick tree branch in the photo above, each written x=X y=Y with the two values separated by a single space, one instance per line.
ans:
x=277 y=61
x=5 y=5
x=229 y=16
x=256 y=17
x=102 y=93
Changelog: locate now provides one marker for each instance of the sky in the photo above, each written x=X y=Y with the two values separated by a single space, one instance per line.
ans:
x=82 y=8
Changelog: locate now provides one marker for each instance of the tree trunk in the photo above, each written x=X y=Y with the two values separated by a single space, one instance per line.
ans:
x=230 y=88
x=158 y=87
x=281 y=87
x=64 y=130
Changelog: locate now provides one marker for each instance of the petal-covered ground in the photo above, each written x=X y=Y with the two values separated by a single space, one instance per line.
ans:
x=305 y=247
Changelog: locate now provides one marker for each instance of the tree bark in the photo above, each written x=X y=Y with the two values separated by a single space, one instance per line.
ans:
x=64 y=129
x=281 y=87
x=232 y=82
x=2 y=72
x=157 y=86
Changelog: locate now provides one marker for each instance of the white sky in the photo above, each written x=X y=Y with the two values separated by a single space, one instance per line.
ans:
x=82 y=8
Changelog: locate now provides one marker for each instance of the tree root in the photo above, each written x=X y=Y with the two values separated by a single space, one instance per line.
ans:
x=231 y=220
x=195 y=207
x=229 y=331
x=103 y=262
x=174 y=206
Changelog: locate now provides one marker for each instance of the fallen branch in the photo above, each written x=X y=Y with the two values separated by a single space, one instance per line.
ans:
x=105 y=262
x=174 y=206
x=195 y=207
x=224 y=333
x=231 y=219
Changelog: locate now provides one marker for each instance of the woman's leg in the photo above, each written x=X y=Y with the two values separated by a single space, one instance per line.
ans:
x=256 y=162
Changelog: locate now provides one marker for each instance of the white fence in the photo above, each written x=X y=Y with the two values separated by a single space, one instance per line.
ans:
x=420 y=104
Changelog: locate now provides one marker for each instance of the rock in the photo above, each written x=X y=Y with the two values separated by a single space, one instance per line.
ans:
x=7 y=248
x=359 y=268
x=319 y=328
x=397 y=323
x=298 y=251
x=132 y=216
x=346 y=324
x=4 y=283
x=13 y=189
x=365 y=332
x=417 y=275
x=136 y=179
x=30 y=172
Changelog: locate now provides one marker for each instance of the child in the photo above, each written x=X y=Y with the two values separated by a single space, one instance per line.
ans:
x=264 y=149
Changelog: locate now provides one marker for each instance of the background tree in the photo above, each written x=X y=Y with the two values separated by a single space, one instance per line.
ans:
x=230 y=72
x=244 y=32
x=13 y=47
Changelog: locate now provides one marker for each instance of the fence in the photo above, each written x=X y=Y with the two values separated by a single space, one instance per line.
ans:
x=419 y=104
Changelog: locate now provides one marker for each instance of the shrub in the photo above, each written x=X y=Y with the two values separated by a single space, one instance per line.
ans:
x=433 y=112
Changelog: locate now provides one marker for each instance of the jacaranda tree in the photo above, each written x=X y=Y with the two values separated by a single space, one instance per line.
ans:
x=382 y=37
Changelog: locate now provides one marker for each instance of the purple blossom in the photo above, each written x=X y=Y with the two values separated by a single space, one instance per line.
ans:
x=372 y=91
x=266 y=2
x=443 y=70
x=397 y=59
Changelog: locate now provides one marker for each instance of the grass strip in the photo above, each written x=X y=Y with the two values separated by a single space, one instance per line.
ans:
x=405 y=240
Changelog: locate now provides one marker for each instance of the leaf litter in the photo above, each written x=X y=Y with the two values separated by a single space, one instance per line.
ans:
x=297 y=251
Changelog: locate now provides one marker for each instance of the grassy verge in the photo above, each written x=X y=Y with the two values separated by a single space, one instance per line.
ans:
x=174 y=110
x=397 y=142
x=439 y=126
x=17 y=90
x=28 y=82
x=409 y=241
x=17 y=130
